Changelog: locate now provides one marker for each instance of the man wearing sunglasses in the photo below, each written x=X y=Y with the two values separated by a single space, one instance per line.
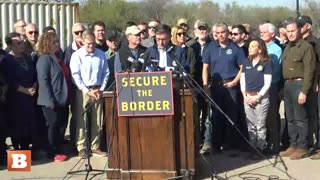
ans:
x=152 y=27
x=77 y=30
x=238 y=35
x=32 y=34
x=76 y=107
x=143 y=26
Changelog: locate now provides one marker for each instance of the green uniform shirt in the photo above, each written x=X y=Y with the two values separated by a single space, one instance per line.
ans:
x=299 y=61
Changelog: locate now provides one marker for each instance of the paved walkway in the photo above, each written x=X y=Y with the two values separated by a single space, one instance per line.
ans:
x=233 y=168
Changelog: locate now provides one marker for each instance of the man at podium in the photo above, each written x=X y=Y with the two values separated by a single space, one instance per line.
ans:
x=164 y=56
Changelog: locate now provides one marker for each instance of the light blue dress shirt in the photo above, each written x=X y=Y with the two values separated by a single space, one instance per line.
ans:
x=275 y=52
x=89 y=69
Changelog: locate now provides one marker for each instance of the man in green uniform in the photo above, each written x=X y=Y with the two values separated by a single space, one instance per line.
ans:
x=299 y=63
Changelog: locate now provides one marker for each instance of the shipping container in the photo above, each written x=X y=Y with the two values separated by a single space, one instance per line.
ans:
x=59 y=15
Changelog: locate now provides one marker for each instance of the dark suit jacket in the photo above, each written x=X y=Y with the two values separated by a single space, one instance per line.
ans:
x=176 y=53
x=52 y=84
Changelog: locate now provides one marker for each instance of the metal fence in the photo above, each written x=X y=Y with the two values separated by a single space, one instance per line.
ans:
x=59 y=15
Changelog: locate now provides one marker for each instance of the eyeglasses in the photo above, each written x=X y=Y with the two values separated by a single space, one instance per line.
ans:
x=183 y=33
x=160 y=39
x=152 y=27
x=235 y=34
x=78 y=32
x=33 y=32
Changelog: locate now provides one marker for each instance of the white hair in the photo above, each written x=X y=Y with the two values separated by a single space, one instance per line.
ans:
x=271 y=28
x=78 y=24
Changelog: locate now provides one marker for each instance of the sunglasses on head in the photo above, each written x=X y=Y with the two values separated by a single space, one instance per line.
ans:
x=33 y=32
x=183 y=33
x=78 y=32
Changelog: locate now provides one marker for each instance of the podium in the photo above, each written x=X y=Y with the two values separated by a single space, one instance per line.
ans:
x=151 y=147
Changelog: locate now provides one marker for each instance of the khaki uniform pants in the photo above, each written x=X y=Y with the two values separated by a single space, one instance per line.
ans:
x=95 y=117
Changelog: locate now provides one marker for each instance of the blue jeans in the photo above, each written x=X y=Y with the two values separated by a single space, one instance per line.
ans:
x=208 y=129
x=296 y=114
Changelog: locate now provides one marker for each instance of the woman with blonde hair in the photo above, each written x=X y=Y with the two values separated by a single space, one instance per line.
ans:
x=178 y=38
x=255 y=82
x=54 y=83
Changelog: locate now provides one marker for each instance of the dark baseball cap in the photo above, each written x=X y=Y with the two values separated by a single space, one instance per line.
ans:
x=203 y=24
x=302 y=20
x=283 y=23
x=110 y=35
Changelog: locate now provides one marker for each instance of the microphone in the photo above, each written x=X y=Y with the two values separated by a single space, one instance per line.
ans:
x=140 y=59
x=136 y=63
x=150 y=63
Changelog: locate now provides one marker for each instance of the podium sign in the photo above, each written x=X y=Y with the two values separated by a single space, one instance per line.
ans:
x=144 y=93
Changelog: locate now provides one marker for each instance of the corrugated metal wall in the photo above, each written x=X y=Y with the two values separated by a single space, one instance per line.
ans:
x=59 y=15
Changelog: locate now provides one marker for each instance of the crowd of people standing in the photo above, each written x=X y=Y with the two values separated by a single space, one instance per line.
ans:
x=44 y=88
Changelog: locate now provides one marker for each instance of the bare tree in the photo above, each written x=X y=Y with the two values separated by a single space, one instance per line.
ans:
x=155 y=8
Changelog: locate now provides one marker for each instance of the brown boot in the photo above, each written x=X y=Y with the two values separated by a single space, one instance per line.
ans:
x=299 y=154
x=288 y=152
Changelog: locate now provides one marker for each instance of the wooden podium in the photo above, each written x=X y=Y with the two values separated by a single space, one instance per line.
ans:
x=151 y=147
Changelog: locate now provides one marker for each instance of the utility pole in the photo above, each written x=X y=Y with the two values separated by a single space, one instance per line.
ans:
x=297 y=8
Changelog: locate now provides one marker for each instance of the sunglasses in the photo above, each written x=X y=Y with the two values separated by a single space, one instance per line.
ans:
x=33 y=32
x=152 y=27
x=180 y=34
x=78 y=32
x=235 y=34
x=143 y=30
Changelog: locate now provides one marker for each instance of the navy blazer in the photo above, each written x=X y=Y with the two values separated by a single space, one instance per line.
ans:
x=52 y=83
x=176 y=53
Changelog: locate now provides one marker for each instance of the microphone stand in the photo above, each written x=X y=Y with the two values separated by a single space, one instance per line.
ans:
x=88 y=167
x=181 y=73
x=192 y=85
